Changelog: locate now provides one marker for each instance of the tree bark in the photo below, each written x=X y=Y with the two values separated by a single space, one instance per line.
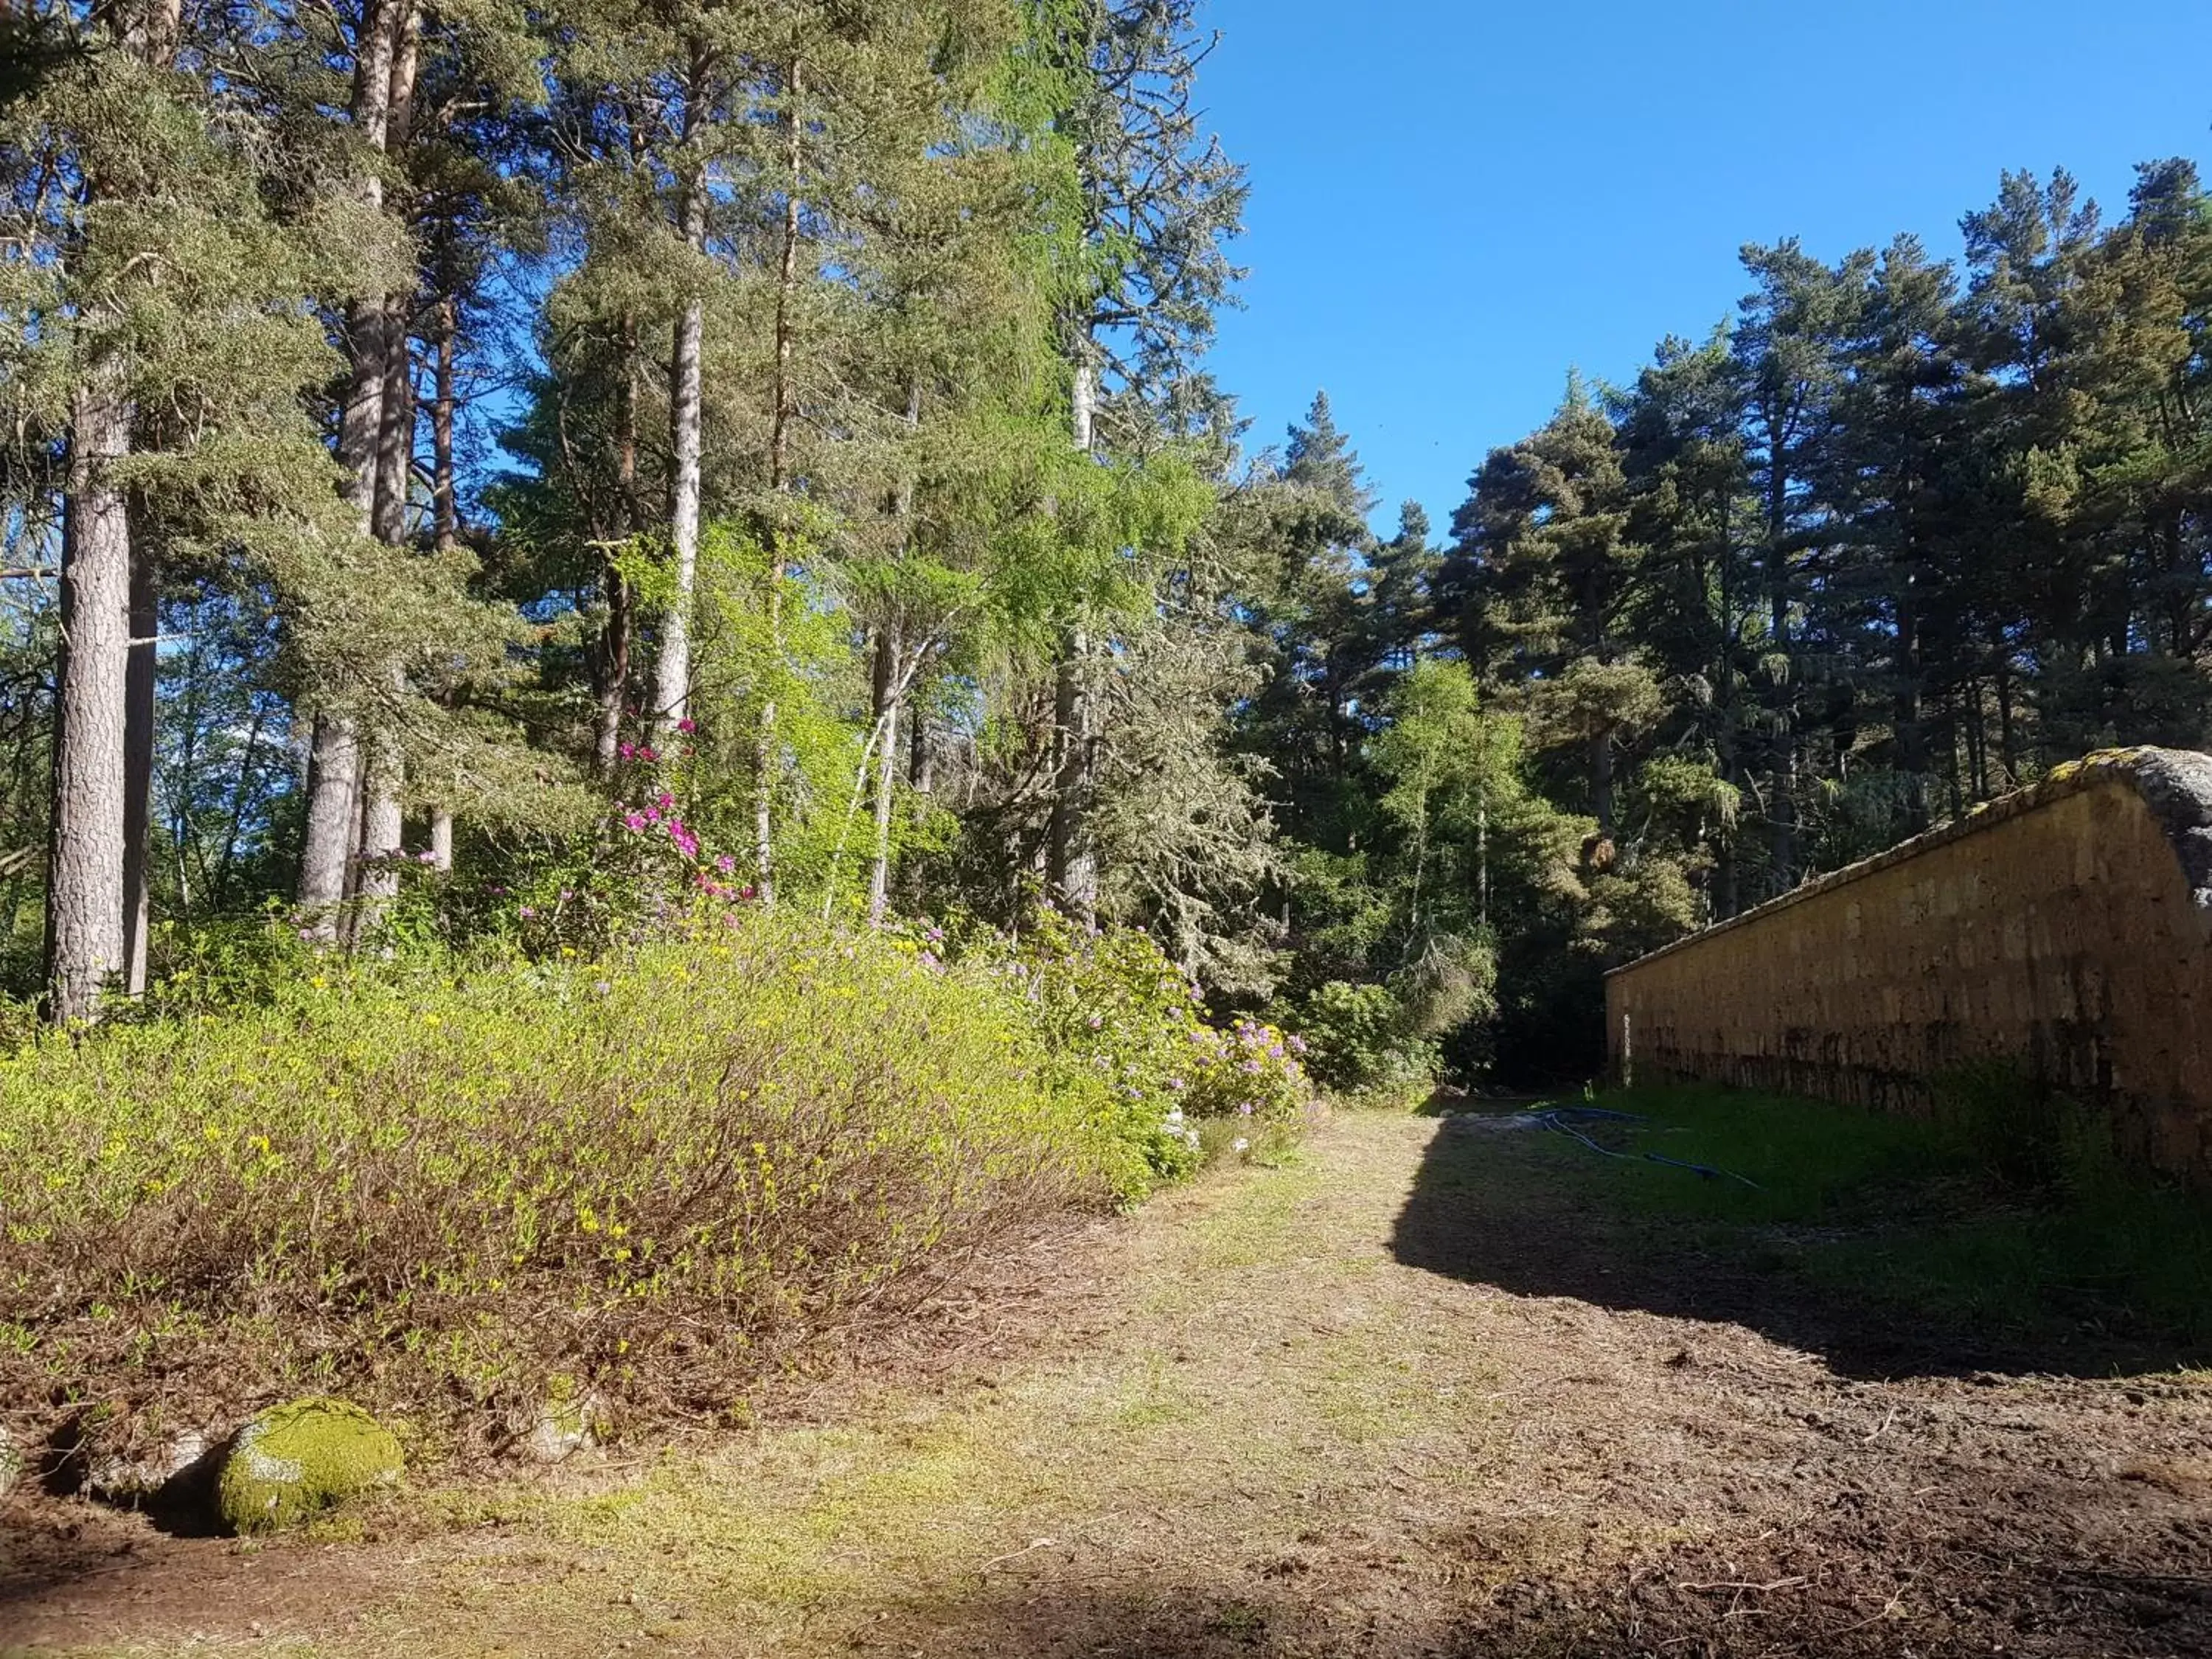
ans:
x=138 y=721
x=921 y=759
x=91 y=880
x=326 y=857
x=615 y=641
x=445 y=406
x=672 y=692
x=764 y=742
x=85 y=872
x=381 y=829
x=384 y=772
x=1071 y=867
x=672 y=677
x=888 y=697
x=444 y=510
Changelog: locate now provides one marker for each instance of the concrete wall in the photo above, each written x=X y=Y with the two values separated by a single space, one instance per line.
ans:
x=2067 y=927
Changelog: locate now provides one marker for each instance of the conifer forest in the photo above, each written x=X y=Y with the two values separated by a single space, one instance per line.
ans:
x=432 y=432
x=730 y=925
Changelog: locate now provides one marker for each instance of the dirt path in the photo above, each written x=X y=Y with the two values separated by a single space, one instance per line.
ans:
x=1408 y=1398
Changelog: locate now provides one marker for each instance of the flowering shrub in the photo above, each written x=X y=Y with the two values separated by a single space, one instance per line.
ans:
x=1112 y=1011
x=1110 y=1003
x=644 y=874
x=1250 y=1078
x=660 y=1171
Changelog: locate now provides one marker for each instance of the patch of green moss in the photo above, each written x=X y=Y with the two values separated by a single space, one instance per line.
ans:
x=295 y=1461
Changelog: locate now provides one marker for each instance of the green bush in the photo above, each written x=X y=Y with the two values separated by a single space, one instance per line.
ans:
x=1109 y=1006
x=1359 y=1042
x=662 y=1172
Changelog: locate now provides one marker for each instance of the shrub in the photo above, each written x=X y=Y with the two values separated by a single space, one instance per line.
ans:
x=1249 y=1078
x=1360 y=1043
x=1110 y=1004
x=661 y=1173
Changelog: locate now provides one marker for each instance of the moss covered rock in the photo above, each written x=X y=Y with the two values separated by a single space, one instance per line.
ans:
x=294 y=1461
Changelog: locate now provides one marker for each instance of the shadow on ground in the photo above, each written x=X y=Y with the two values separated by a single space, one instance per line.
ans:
x=1511 y=1210
x=1718 y=1617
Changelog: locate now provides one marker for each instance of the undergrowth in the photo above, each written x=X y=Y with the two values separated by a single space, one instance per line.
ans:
x=663 y=1174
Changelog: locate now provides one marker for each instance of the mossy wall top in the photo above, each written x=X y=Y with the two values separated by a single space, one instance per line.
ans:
x=2068 y=927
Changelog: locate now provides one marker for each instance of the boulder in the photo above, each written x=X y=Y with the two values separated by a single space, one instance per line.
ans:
x=294 y=1461
x=154 y=1475
x=566 y=1423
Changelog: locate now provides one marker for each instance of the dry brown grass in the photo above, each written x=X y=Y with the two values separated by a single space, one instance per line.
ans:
x=1243 y=1423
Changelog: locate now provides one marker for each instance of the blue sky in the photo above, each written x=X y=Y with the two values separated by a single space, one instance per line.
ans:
x=1452 y=202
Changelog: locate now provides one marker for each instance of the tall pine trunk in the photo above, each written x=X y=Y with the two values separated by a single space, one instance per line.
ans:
x=615 y=641
x=1070 y=866
x=779 y=466
x=384 y=770
x=85 y=879
x=326 y=857
x=672 y=693
x=138 y=720
x=890 y=683
x=96 y=893
x=445 y=512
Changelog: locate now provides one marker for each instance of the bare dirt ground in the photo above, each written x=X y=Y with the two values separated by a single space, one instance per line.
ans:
x=1416 y=1396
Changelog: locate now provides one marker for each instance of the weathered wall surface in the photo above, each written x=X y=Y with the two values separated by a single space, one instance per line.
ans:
x=2067 y=927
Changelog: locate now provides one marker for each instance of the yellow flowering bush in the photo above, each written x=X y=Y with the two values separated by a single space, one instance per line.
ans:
x=661 y=1170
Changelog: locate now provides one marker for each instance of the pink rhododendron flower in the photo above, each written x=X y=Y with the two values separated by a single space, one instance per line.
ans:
x=687 y=725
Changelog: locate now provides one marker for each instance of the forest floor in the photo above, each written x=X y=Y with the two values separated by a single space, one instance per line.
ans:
x=1433 y=1390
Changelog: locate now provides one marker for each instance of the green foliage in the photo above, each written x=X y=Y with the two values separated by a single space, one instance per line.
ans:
x=1113 y=1010
x=1360 y=1043
x=2021 y=1131
x=660 y=1172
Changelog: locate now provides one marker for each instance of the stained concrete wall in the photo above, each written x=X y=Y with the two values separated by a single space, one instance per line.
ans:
x=2067 y=927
